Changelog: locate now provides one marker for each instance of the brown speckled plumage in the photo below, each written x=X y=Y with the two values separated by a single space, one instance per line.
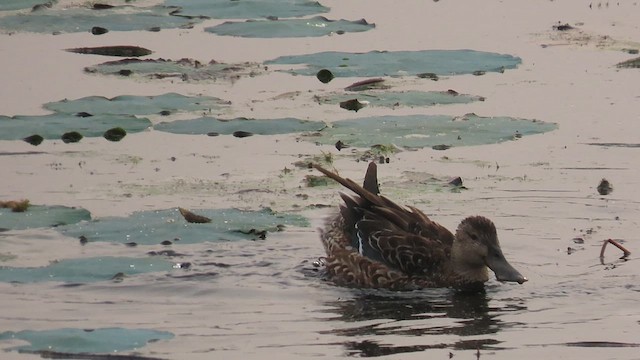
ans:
x=375 y=243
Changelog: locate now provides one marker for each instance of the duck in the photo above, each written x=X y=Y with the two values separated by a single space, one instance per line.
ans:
x=372 y=242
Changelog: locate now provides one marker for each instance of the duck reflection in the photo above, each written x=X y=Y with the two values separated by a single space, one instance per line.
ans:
x=443 y=314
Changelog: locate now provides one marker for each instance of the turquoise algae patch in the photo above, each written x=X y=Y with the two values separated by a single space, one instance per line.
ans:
x=287 y=28
x=86 y=270
x=247 y=9
x=212 y=126
x=53 y=126
x=136 y=105
x=22 y=4
x=154 y=227
x=399 y=63
x=183 y=69
x=84 y=341
x=82 y=18
x=392 y=99
x=92 y=116
x=419 y=131
x=39 y=216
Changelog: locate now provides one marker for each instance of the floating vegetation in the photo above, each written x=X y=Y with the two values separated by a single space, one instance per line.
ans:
x=224 y=9
x=34 y=140
x=122 y=50
x=15 y=205
x=287 y=28
x=135 y=105
x=80 y=18
x=239 y=126
x=393 y=99
x=86 y=270
x=39 y=216
x=92 y=116
x=630 y=64
x=154 y=227
x=24 y=4
x=183 y=69
x=71 y=137
x=84 y=341
x=399 y=63
x=325 y=76
x=55 y=126
x=115 y=134
x=419 y=131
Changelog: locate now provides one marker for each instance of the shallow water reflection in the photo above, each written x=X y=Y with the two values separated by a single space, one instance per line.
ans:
x=443 y=314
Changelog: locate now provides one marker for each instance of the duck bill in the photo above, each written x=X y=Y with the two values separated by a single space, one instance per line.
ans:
x=501 y=267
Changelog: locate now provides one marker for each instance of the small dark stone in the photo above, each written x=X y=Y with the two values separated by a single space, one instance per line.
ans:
x=34 y=140
x=71 y=137
x=325 y=76
x=479 y=72
x=131 y=244
x=125 y=72
x=453 y=92
x=578 y=240
x=213 y=133
x=165 y=112
x=83 y=114
x=83 y=239
x=242 y=134
x=97 y=30
x=352 y=104
x=166 y=243
x=185 y=265
x=115 y=134
x=154 y=29
x=605 y=187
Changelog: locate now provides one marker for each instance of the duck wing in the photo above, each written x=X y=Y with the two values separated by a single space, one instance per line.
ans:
x=402 y=238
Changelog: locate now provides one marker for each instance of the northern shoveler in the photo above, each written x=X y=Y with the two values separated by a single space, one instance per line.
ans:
x=375 y=243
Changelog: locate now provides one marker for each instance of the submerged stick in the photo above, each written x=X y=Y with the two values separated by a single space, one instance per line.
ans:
x=617 y=244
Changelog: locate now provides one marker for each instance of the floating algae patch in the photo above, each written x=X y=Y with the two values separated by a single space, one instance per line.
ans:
x=287 y=28
x=136 y=105
x=183 y=69
x=246 y=9
x=53 y=126
x=630 y=64
x=84 y=341
x=212 y=126
x=23 y=4
x=40 y=216
x=87 y=270
x=81 y=18
x=399 y=63
x=154 y=227
x=401 y=98
x=419 y=131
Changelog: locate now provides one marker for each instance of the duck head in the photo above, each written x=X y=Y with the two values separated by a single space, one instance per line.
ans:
x=476 y=248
